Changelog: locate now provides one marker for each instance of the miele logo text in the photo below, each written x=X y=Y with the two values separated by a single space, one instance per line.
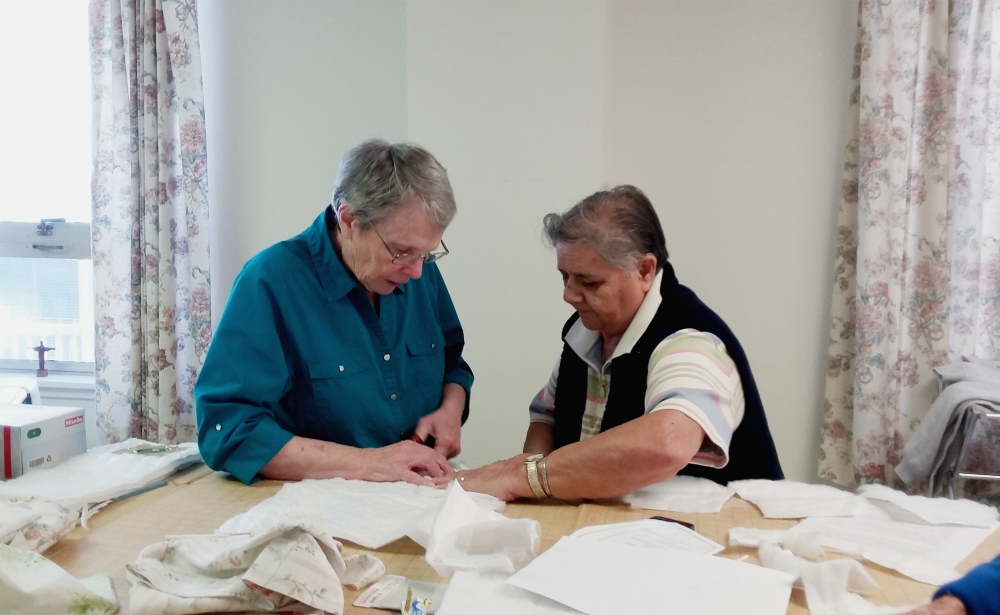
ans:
x=76 y=420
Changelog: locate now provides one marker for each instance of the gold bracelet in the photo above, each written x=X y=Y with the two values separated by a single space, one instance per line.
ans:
x=531 y=468
x=544 y=476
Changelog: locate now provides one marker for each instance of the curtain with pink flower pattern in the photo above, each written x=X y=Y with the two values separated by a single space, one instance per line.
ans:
x=150 y=217
x=918 y=263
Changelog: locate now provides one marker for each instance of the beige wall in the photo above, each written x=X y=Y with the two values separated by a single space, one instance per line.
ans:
x=730 y=114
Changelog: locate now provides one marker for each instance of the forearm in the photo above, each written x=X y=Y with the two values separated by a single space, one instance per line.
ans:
x=307 y=458
x=644 y=451
x=453 y=399
x=539 y=438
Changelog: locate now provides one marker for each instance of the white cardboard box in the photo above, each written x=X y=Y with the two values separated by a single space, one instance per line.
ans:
x=34 y=437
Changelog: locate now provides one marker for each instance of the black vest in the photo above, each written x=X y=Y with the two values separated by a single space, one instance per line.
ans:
x=751 y=451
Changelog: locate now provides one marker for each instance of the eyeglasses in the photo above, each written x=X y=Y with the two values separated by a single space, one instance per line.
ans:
x=409 y=259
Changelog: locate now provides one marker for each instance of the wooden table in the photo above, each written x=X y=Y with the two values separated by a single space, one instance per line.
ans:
x=199 y=501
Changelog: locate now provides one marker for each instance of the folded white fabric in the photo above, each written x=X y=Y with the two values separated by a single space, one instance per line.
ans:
x=33 y=523
x=803 y=544
x=828 y=585
x=104 y=472
x=928 y=511
x=292 y=566
x=366 y=513
x=788 y=499
x=30 y=584
x=688 y=494
x=467 y=536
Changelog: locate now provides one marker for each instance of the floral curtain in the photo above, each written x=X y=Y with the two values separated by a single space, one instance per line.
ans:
x=150 y=217
x=918 y=262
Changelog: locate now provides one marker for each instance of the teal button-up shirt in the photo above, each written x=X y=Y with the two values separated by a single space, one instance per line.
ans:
x=300 y=351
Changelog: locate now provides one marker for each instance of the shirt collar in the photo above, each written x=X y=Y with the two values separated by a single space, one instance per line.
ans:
x=588 y=344
x=336 y=280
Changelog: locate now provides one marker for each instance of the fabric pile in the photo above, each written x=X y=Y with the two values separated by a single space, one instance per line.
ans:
x=965 y=388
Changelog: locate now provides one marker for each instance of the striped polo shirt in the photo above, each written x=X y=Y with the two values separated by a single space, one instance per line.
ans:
x=689 y=371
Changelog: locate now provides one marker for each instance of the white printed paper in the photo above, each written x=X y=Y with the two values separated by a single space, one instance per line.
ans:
x=601 y=578
x=390 y=592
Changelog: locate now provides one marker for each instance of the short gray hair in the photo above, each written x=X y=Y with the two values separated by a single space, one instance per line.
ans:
x=377 y=177
x=620 y=224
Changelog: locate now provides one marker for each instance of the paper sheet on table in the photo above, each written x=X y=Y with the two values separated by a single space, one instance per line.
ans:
x=368 y=514
x=931 y=511
x=488 y=594
x=601 y=578
x=651 y=534
x=467 y=536
x=682 y=494
x=103 y=473
x=829 y=585
x=788 y=499
x=31 y=584
x=927 y=553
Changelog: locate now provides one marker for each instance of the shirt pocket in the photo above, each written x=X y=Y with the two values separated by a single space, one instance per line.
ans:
x=426 y=355
x=339 y=388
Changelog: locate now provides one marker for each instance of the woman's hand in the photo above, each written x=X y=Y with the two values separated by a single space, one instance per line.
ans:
x=406 y=461
x=445 y=423
x=506 y=479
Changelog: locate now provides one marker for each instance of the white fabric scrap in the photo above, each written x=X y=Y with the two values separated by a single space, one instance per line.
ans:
x=803 y=544
x=788 y=499
x=33 y=523
x=928 y=511
x=688 y=494
x=487 y=594
x=828 y=585
x=293 y=566
x=368 y=514
x=467 y=536
x=31 y=584
x=101 y=474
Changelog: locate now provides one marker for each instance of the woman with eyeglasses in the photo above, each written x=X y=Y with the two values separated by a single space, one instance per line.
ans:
x=339 y=352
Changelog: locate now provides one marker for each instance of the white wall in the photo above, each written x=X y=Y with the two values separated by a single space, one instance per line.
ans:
x=730 y=114
x=289 y=87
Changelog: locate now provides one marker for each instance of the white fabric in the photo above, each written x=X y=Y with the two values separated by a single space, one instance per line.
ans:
x=368 y=514
x=803 y=544
x=687 y=494
x=828 y=585
x=33 y=523
x=788 y=499
x=30 y=584
x=931 y=511
x=467 y=536
x=292 y=566
x=102 y=474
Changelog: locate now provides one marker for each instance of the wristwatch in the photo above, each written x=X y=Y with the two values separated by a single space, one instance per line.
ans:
x=531 y=466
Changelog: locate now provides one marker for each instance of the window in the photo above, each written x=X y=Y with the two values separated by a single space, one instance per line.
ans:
x=46 y=289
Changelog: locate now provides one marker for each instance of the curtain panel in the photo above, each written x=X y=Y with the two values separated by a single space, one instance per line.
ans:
x=150 y=217
x=917 y=270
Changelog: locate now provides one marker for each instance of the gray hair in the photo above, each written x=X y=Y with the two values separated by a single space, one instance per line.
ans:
x=376 y=177
x=620 y=224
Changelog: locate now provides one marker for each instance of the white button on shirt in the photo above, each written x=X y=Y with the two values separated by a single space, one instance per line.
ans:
x=386 y=357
